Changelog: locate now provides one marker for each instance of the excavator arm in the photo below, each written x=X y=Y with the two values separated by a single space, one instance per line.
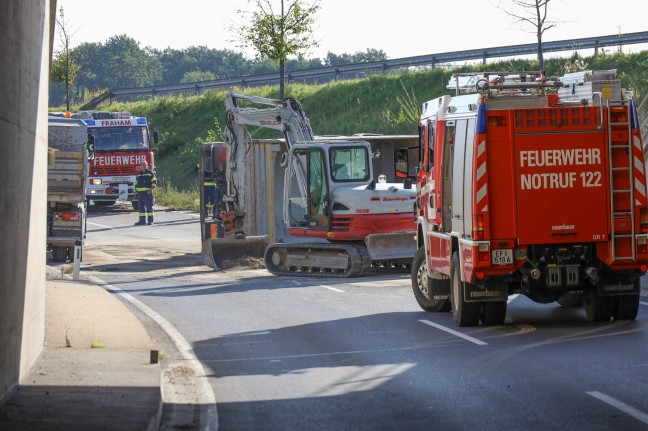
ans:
x=225 y=236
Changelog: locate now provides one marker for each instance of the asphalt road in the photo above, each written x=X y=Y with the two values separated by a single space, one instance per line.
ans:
x=288 y=353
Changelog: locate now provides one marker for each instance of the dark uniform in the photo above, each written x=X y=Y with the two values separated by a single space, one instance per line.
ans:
x=214 y=188
x=209 y=190
x=145 y=182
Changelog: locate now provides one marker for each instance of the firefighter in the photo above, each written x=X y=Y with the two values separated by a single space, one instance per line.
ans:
x=209 y=190
x=145 y=182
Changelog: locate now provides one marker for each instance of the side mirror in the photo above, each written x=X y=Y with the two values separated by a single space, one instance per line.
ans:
x=156 y=137
x=407 y=184
x=401 y=163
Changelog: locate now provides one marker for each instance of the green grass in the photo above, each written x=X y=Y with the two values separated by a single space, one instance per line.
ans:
x=170 y=197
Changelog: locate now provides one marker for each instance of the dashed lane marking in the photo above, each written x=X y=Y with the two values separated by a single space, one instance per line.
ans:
x=625 y=408
x=334 y=289
x=100 y=225
x=456 y=333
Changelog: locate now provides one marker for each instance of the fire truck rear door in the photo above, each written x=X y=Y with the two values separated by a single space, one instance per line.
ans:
x=561 y=187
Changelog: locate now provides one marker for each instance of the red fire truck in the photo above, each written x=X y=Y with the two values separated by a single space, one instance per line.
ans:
x=121 y=143
x=530 y=186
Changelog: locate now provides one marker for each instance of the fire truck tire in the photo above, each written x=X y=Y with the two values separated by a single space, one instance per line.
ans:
x=494 y=313
x=424 y=286
x=135 y=205
x=463 y=313
x=626 y=307
x=59 y=253
x=598 y=308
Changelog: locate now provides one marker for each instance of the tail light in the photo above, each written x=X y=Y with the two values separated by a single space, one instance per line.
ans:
x=619 y=114
x=484 y=252
x=478 y=227
x=643 y=220
x=642 y=247
x=70 y=216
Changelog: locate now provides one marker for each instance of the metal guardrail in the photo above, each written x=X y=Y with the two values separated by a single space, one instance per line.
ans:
x=378 y=66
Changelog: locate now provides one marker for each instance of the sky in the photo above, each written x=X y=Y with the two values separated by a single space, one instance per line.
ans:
x=401 y=28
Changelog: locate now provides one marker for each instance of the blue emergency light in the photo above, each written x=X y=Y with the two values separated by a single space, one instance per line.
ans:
x=89 y=122
x=141 y=121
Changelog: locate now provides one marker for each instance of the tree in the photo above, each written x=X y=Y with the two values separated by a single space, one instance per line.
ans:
x=533 y=13
x=64 y=69
x=369 y=55
x=278 y=36
x=197 y=76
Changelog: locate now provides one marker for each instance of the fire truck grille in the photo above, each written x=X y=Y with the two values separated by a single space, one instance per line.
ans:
x=341 y=224
x=115 y=171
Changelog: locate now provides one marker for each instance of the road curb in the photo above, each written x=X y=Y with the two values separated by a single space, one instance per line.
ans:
x=206 y=400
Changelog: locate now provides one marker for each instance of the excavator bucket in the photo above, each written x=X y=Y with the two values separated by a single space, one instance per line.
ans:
x=222 y=253
x=399 y=246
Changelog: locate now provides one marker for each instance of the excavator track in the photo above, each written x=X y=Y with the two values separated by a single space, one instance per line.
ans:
x=317 y=260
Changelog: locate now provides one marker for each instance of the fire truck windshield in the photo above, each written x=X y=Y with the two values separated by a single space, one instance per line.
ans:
x=133 y=138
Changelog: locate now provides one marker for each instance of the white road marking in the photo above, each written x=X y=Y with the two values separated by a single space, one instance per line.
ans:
x=205 y=393
x=302 y=284
x=643 y=303
x=453 y=332
x=100 y=225
x=332 y=288
x=637 y=414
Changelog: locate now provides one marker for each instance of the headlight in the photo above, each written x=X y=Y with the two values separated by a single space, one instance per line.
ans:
x=95 y=181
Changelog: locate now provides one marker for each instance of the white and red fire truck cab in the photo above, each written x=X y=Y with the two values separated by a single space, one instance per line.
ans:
x=530 y=186
x=121 y=143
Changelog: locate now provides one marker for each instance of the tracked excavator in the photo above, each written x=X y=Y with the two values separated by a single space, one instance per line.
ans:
x=340 y=220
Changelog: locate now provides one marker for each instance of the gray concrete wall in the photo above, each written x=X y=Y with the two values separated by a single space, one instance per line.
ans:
x=24 y=34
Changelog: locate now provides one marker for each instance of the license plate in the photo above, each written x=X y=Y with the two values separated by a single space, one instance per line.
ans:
x=502 y=256
x=120 y=180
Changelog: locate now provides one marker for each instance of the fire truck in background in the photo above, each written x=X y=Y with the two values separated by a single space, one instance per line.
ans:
x=122 y=142
x=521 y=191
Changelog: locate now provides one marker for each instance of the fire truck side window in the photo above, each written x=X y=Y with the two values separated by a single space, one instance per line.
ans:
x=446 y=190
x=430 y=144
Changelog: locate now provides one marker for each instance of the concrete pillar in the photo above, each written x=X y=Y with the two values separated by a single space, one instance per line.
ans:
x=24 y=34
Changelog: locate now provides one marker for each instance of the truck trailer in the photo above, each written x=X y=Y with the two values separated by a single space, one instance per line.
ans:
x=69 y=147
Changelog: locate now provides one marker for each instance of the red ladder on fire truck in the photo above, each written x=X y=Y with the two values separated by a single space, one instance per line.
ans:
x=622 y=197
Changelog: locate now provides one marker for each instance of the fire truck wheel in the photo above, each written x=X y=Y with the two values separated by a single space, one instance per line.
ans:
x=463 y=313
x=59 y=254
x=424 y=286
x=598 y=308
x=626 y=307
x=494 y=313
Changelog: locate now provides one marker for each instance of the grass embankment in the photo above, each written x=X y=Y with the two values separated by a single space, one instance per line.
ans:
x=386 y=104
x=170 y=197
